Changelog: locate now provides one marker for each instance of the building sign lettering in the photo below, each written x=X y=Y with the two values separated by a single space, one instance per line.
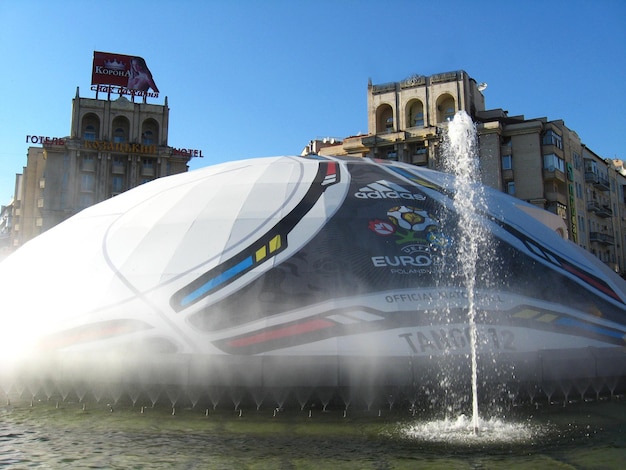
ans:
x=40 y=139
x=109 y=146
x=188 y=152
x=122 y=147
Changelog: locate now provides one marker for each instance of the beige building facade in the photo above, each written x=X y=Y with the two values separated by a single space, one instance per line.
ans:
x=540 y=161
x=114 y=145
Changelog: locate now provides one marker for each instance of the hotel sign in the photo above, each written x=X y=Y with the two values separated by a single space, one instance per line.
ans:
x=123 y=74
x=188 y=152
x=122 y=147
x=109 y=146
x=44 y=140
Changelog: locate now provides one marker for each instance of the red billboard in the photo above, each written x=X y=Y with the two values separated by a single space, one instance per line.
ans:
x=123 y=74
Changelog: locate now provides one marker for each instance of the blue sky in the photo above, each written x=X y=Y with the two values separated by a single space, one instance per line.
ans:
x=249 y=78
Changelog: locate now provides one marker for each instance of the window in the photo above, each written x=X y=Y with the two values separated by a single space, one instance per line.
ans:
x=118 y=135
x=149 y=132
x=88 y=163
x=87 y=182
x=85 y=200
x=445 y=108
x=392 y=155
x=121 y=129
x=384 y=119
x=147 y=167
x=415 y=116
x=90 y=133
x=507 y=162
x=420 y=149
x=552 y=138
x=89 y=126
x=448 y=114
x=510 y=188
x=579 y=190
x=577 y=160
x=118 y=164
x=147 y=138
x=552 y=162
x=117 y=184
x=389 y=124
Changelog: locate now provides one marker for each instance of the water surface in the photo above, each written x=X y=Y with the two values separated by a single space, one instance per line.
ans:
x=585 y=435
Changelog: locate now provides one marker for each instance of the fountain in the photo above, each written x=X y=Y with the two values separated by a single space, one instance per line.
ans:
x=461 y=160
x=293 y=281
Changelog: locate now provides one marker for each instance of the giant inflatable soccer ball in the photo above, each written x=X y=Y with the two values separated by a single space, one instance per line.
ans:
x=293 y=272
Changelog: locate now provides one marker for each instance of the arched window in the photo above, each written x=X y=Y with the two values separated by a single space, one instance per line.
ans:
x=384 y=119
x=446 y=108
x=90 y=126
x=415 y=114
x=121 y=129
x=149 y=132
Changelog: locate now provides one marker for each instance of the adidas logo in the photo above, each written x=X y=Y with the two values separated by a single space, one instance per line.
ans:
x=383 y=189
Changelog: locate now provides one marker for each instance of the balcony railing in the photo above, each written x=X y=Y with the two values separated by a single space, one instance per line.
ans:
x=420 y=158
x=147 y=171
x=553 y=174
x=597 y=180
x=508 y=175
x=555 y=196
x=600 y=210
x=118 y=169
x=390 y=137
x=602 y=238
x=88 y=165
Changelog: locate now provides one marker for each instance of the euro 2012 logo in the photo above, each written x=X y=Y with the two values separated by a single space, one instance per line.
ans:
x=409 y=223
x=411 y=218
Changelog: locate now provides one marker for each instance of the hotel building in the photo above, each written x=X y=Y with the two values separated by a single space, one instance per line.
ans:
x=114 y=145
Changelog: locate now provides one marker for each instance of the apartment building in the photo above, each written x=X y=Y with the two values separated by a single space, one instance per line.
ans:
x=540 y=161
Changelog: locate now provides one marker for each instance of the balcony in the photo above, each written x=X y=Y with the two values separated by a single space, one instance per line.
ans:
x=420 y=158
x=597 y=180
x=605 y=212
x=602 y=238
x=600 y=210
x=420 y=133
x=88 y=164
x=390 y=137
x=553 y=175
x=355 y=143
x=147 y=171
x=118 y=169
x=555 y=196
